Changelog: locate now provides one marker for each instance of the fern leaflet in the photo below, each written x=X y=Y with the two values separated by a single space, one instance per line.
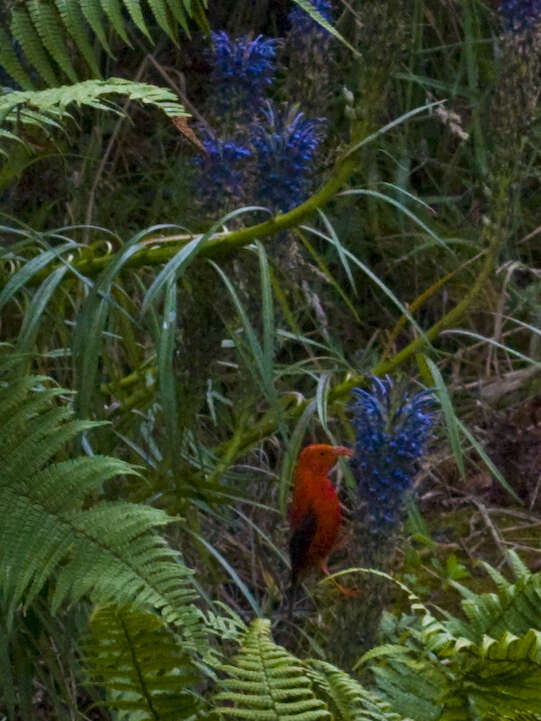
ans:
x=141 y=664
x=110 y=550
x=266 y=683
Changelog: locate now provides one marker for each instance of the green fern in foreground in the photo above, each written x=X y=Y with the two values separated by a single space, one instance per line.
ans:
x=467 y=669
x=51 y=534
x=47 y=110
x=346 y=698
x=266 y=683
x=44 y=29
x=141 y=665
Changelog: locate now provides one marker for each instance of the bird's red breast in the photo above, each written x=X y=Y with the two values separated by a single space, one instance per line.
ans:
x=315 y=514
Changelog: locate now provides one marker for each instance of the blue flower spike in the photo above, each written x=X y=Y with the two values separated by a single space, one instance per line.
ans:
x=519 y=16
x=285 y=143
x=243 y=70
x=223 y=173
x=391 y=433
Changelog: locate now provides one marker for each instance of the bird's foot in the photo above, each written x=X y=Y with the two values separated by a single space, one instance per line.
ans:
x=349 y=592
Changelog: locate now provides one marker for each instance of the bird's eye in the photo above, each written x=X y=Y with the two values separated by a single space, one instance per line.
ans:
x=322 y=453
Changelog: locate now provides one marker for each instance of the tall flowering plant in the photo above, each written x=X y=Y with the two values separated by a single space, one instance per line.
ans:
x=261 y=152
x=243 y=70
x=391 y=432
x=285 y=143
x=222 y=172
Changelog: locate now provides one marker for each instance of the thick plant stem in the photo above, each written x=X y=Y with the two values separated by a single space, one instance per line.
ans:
x=220 y=244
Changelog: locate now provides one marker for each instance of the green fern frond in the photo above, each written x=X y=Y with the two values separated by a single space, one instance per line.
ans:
x=503 y=674
x=113 y=10
x=110 y=550
x=49 y=28
x=72 y=17
x=10 y=61
x=43 y=108
x=457 y=670
x=93 y=14
x=412 y=687
x=179 y=13
x=266 y=683
x=25 y=33
x=141 y=665
x=134 y=9
x=515 y=606
x=346 y=698
x=227 y=628
x=163 y=17
x=46 y=29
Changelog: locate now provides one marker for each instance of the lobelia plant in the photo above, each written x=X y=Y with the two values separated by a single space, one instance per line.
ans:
x=243 y=70
x=392 y=429
x=270 y=159
x=285 y=144
x=223 y=171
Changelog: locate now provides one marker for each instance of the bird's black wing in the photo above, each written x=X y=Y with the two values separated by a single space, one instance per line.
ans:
x=300 y=543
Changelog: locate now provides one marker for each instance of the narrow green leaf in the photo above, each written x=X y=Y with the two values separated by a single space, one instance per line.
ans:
x=29 y=269
x=340 y=249
x=449 y=414
x=166 y=376
x=31 y=322
x=230 y=570
x=309 y=8
x=267 y=307
x=486 y=460
x=322 y=395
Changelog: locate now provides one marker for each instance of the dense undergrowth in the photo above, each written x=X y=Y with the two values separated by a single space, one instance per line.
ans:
x=218 y=220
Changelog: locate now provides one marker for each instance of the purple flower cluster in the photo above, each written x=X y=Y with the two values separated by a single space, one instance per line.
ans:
x=391 y=432
x=285 y=143
x=222 y=173
x=520 y=15
x=271 y=160
x=243 y=69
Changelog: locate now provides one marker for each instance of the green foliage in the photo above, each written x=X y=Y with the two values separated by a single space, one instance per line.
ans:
x=141 y=665
x=460 y=669
x=346 y=698
x=212 y=376
x=266 y=683
x=46 y=28
x=50 y=531
x=47 y=110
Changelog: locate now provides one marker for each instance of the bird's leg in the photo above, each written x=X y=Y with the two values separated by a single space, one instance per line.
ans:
x=350 y=592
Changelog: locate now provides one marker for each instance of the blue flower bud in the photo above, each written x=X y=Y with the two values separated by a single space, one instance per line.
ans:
x=391 y=433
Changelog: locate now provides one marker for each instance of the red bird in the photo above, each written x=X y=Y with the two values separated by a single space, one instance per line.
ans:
x=315 y=515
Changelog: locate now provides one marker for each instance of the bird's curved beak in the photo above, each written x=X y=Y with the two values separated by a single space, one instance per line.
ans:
x=343 y=451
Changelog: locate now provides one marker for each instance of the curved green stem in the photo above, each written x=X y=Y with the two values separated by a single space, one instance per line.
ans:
x=220 y=244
